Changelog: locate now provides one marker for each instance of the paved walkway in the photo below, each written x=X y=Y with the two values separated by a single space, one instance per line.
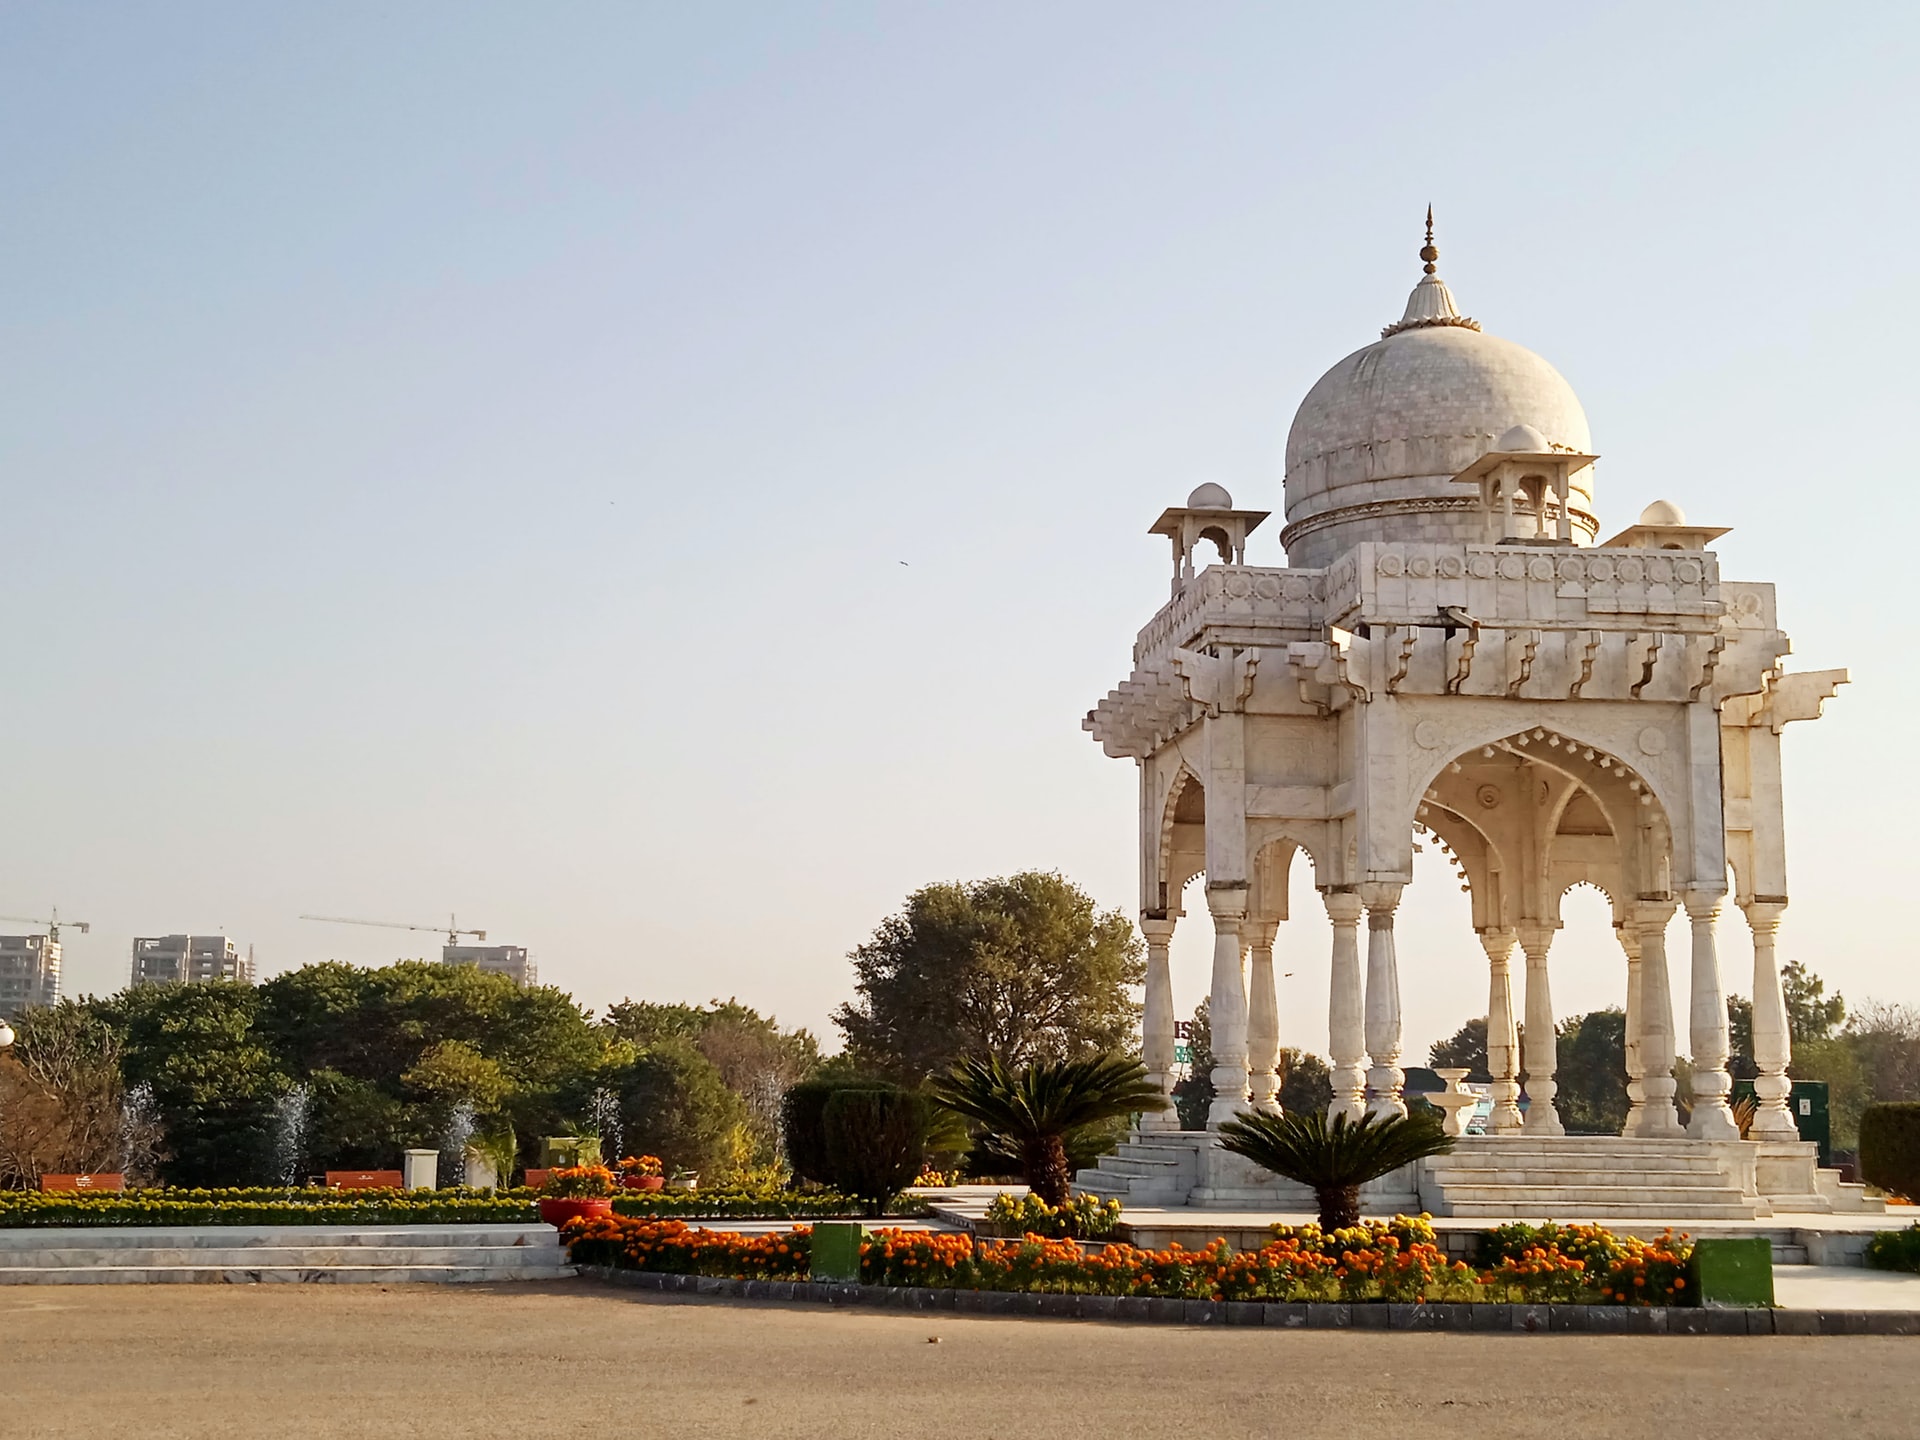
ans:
x=572 y=1358
x=1843 y=1287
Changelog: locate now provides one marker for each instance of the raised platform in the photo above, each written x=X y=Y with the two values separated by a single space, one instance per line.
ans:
x=299 y=1254
x=1494 y=1178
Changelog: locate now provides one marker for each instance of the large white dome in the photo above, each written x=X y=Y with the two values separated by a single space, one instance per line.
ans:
x=1375 y=445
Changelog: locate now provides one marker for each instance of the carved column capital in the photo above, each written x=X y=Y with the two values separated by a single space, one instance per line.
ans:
x=1343 y=906
x=1381 y=897
x=1703 y=905
x=1227 y=902
x=1158 y=929
x=1764 y=916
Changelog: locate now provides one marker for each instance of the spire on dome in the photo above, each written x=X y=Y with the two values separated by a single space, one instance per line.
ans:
x=1431 y=303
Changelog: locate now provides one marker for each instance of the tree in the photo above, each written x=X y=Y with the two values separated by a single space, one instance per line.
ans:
x=674 y=1104
x=758 y=1060
x=61 y=1101
x=1335 y=1158
x=1591 y=1072
x=212 y=1080
x=1465 y=1049
x=1306 y=1081
x=1038 y=1107
x=1023 y=969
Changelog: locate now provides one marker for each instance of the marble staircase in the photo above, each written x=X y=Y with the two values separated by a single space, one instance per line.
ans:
x=303 y=1254
x=1575 y=1177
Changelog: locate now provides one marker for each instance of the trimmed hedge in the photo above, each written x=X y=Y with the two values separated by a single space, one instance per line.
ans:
x=309 y=1206
x=876 y=1143
x=263 y=1207
x=1890 y=1147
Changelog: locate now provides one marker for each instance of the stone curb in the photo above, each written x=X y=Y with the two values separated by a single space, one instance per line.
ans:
x=1481 y=1319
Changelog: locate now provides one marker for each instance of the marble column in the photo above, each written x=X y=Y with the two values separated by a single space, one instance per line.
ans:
x=1156 y=1021
x=1346 y=1026
x=1707 y=1025
x=1772 y=1046
x=1263 y=1016
x=1385 y=1078
x=1503 y=1037
x=1227 y=1004
x=1629 y=939
x=1541 y=1047
x=1658 y=1118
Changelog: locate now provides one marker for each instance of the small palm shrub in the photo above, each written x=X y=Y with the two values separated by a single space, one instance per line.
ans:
x=1334 y=1159
x=1037 y=1108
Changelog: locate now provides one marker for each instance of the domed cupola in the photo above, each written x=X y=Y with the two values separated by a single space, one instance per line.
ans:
x=1378 y=447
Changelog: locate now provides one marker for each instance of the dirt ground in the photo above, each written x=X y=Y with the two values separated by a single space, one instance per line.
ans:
x=573 y=1358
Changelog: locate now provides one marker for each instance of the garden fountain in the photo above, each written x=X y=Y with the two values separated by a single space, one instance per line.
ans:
x=604 y=1110
x=454 y=1139
x=290 y=1122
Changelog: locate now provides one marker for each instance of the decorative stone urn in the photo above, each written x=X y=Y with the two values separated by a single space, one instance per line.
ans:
x=1456 y=1100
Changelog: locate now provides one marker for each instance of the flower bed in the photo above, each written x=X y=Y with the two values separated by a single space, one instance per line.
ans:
x=1394 y=1261
x=1895 y=1250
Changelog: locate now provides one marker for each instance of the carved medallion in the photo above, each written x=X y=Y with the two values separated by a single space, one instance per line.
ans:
x=1391 y=564
x=1481 y=567
x=1512 y=567
x=1688 y=572
x=1488 y=796
x=1631 y=570
x=1601 y=569
x=1420 y=567
x=1652 y=742
x=1449 y=567
x=1427 y=735
x=1541 y=569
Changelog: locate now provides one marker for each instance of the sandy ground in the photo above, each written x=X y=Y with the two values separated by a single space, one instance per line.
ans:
x=572 y=1358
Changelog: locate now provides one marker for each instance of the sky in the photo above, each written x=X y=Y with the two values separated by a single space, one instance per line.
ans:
x=664 y=482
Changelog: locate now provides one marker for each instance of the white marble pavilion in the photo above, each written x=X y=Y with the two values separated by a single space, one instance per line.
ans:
x=1452 y=652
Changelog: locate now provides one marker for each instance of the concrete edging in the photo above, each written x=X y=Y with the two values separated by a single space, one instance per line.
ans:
x=1513 y=1319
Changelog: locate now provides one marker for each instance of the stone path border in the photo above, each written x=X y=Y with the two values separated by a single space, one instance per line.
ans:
x=1522 y=1319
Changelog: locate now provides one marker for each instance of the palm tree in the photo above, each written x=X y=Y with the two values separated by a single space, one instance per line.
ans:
x=1036 y=1108
x=1337 y=1159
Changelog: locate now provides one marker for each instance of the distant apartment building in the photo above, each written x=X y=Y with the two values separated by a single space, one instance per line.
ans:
x=162 y=958
x=29 y=972
x=511 y=960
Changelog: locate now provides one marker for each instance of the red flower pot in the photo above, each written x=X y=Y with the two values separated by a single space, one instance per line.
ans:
x=644 y=1182
x=556 y=1210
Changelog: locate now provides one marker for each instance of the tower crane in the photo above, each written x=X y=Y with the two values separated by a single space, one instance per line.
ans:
x=451 y=929
x=53 y=925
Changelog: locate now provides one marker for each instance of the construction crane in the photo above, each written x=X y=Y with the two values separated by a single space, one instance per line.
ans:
x=451 y=929
x=53 y=925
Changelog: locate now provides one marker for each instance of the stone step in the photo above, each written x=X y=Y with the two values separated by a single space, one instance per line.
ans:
x=276 y=1274
x=1562 y=1196
x=284 y=1256
x=1504 y=1175
x=229 y=1236
x=1121 y=1165
x=1526 y=1205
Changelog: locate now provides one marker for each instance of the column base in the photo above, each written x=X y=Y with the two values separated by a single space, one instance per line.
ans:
x=1225 y=1108
x=1713 y=1122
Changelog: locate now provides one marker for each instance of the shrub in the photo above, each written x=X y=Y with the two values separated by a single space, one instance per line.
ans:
x=876 y=1142
x=1895 y=1250
x=803 y=1128
x=1890 y=1147
x=273 y=1206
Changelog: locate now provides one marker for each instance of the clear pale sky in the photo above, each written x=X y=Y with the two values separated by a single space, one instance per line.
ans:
x=461 y=457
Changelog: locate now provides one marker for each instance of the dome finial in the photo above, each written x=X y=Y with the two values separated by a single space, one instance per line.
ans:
x=1431 y=303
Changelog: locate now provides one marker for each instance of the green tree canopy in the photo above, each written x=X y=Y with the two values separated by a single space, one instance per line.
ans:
x=1022 y=969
